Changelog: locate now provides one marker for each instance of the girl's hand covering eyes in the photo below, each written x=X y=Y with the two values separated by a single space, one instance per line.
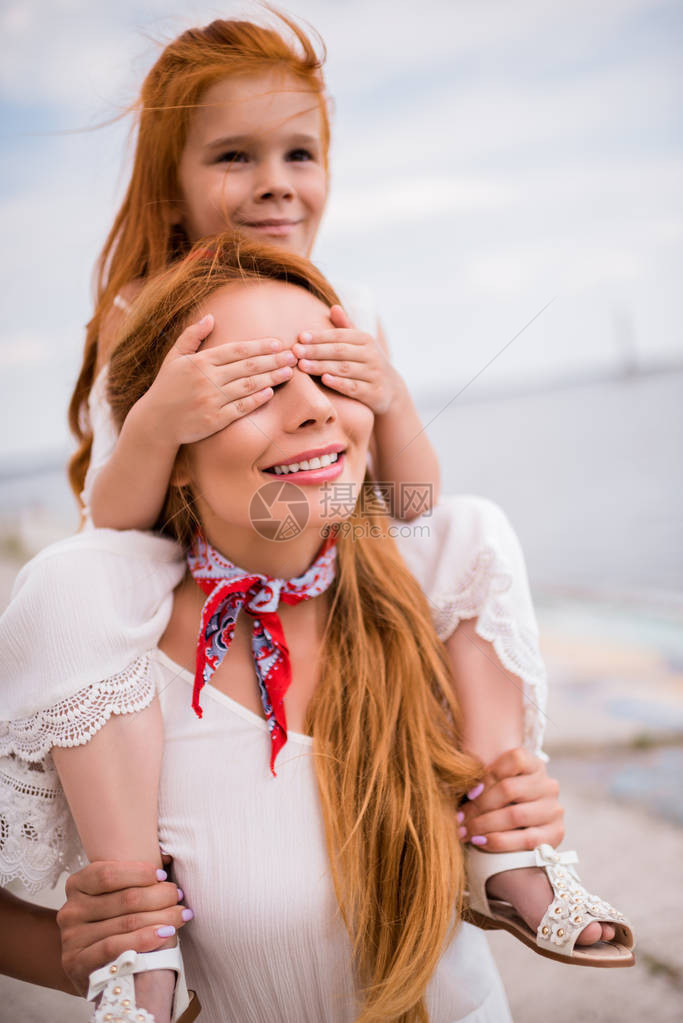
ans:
x=518 y=808
x=197 y=393
x=349 y=361
x=111 y=907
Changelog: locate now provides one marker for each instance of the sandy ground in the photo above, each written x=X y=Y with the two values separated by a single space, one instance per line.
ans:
x=615 y=736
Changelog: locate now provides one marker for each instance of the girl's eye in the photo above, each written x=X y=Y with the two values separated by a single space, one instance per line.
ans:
x=300 y=155
x=232 y=156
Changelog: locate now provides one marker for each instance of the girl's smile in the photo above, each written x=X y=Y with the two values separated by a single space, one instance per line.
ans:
x=254 y=161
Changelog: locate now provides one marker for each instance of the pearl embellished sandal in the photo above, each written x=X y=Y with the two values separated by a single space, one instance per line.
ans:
x=572 y=909
x=116 y=983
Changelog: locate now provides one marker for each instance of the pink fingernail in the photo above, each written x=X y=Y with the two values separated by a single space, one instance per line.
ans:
x=166 y=932
x=476 y=791
x=181 y=896
x=306 y=336
x=462 y=832
x=187 y=914
x=460 y=816
x=161 y=875
x=479 y=840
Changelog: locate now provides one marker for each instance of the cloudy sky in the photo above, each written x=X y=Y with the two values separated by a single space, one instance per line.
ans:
x=488 y=157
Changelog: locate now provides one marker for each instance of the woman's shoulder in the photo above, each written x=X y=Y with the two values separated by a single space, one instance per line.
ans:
x=83 y=610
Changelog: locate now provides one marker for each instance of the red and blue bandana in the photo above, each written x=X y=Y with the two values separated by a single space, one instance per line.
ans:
x=229 y=590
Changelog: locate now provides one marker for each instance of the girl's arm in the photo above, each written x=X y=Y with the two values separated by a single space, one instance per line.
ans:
x=356 y=364
x=129 y=490
x=195 y=394
x=111 y=784
x=402 y=453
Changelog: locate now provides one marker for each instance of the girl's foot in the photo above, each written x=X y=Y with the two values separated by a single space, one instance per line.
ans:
x=530 y=892
x=154 y=992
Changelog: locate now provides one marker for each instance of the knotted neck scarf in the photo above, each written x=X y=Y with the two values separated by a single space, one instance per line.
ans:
x=230 y=590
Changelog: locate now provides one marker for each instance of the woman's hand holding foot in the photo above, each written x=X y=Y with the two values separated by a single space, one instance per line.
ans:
x=112 y=907
x=517 y=808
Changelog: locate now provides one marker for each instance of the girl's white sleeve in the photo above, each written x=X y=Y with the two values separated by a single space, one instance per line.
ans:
x=104 y=431
x=87 y=608
x=104 y=436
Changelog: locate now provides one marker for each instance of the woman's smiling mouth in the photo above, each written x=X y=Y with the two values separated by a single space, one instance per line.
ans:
x=312 y=466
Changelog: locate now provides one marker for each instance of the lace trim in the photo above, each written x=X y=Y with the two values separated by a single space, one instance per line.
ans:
x=38 y=838
x=75 y=720
x=481 y=595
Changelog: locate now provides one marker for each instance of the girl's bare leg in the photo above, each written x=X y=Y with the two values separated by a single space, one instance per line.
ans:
x=492 y=705
x=112 y=784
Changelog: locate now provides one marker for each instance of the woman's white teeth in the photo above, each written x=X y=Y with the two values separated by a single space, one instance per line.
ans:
x=310 y=463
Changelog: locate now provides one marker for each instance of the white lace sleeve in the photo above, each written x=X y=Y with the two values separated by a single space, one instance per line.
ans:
x=468 y=561
x=38 y=838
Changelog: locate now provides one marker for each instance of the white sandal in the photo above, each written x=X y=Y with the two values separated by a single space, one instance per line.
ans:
x=572 y=909
x=116 y=983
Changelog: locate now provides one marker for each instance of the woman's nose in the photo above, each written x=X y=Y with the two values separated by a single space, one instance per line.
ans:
x=273 y=181
x=307 y=403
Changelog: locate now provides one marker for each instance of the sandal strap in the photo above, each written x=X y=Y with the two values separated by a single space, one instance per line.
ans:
x=129 y=963
x=573 y=908
x=116 y=983
x=483 y=865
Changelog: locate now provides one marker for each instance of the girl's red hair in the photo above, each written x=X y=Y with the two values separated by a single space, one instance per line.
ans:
x=144 y=239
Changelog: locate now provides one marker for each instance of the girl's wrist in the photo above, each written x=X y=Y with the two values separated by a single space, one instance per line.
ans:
x=145 y=421
x=400 y=397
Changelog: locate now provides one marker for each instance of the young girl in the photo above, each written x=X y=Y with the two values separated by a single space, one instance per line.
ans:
x=234 y=131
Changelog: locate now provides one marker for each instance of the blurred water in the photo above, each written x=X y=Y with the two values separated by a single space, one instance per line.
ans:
x=589 y=474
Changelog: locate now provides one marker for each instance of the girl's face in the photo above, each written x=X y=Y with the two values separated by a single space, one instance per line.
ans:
x=253 y=161
x=230 y=471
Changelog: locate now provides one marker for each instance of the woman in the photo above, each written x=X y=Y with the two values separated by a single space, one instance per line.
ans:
x=331 y=891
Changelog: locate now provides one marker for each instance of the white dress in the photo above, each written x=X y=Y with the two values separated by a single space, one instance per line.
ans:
x=267 y=941
x=77 y=645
